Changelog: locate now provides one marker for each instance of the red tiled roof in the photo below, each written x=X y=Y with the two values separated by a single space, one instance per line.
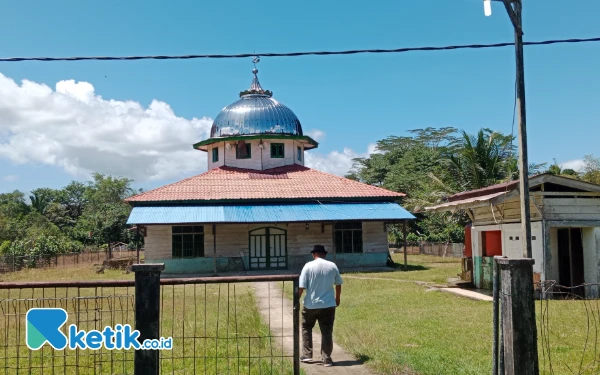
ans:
x=289 y=182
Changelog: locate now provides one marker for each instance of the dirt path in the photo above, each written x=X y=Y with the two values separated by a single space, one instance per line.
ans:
x=277 y=310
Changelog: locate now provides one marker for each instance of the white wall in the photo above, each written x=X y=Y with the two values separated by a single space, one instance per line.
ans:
x=289 y=154
x=294 y=149
x=591 y=258
x=513 y=248
x=220 y=162
x=260 y=158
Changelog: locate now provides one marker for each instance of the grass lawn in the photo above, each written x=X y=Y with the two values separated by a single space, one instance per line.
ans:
x=404 y=327
x=216 y=329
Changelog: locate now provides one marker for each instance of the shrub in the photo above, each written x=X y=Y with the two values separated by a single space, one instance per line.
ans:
x=4 y=247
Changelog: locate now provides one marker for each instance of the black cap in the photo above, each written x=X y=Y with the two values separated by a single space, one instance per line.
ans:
x=318 y=249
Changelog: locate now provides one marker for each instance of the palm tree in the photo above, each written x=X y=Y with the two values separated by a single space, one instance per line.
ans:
x=559 y=171
x=481 y=160
x=40 y=199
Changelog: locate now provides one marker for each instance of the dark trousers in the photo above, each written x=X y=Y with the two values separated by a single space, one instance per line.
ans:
x=325 y=317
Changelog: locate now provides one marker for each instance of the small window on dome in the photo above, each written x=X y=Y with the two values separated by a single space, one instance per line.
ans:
x=215 y=154
x=277 y=150
x=299 y=153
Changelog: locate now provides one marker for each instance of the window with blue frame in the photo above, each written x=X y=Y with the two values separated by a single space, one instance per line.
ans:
x=215 y=154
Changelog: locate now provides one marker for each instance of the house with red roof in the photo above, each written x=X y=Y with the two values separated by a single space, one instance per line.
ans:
x=565 y=230
x=258 y=207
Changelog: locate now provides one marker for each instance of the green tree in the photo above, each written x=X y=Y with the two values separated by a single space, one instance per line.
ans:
x=41 y=198
x=412 y=165
x=591 y=169
x=12 y=210
x=105 y=213
x=13 y=204
x=556 y=169
x=73 y=198
x=481 y=160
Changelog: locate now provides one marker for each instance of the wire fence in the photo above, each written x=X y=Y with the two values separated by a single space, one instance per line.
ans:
x=215 y=324
x=89 y=307
x=13 y=263
x=217 y=329
x=568 y=328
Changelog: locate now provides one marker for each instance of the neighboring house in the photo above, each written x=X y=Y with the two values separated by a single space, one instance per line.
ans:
x=258 y=207
x=565 y=224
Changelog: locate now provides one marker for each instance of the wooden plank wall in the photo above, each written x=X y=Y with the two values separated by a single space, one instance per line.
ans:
x=578 y=208
x=158 y=242
x=509 y=211
x=233 y=238
x=374 y=237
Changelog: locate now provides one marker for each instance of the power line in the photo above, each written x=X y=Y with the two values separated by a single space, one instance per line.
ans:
x=294 y=54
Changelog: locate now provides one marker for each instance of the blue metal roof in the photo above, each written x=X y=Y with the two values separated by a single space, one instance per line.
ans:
x=273 y=213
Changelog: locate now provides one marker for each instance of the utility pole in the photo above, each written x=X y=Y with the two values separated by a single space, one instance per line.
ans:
x=514 y=9
x=523 y=159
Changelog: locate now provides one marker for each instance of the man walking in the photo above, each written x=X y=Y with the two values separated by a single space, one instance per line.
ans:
x=318 y=278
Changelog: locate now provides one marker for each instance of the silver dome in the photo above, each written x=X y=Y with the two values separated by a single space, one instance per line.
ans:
x=255 y=113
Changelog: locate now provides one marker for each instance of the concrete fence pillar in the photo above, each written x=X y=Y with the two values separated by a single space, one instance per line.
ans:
x=147 y=315
x=517 y=306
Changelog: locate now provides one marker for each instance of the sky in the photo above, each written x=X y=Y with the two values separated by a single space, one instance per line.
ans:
x=61 y=121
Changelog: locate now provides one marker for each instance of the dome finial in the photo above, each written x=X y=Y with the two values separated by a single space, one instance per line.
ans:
x=255 y=60
x=255 y=87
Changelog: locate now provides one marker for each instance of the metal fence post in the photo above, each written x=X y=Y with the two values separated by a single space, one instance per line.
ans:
x=519 y=333
x=296 y=305
x=147 y=315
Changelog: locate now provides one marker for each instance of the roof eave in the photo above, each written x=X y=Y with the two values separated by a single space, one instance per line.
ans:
x=308 y=141
x=533 y=182
x=262 y=201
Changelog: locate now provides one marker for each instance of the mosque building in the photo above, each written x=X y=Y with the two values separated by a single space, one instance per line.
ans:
x=258 y=207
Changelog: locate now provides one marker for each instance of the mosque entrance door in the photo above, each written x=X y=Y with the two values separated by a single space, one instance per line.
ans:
x=268 y=248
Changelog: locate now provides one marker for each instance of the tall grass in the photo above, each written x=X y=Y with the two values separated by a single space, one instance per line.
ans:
x=216 y=329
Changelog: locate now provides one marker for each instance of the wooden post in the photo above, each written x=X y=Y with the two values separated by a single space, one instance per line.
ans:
x=519 y=333
x=137 y=229
x=147 y=315
x=214 y=232
x=296 y=326
x=405 y=246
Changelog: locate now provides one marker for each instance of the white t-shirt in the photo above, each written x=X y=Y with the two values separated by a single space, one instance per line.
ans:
x=318 y=278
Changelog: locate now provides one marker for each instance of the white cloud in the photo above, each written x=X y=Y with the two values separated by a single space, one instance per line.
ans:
x=576 y=165
x=73 y=128
x=10 y=178
x=335 y=162
x=316 y=134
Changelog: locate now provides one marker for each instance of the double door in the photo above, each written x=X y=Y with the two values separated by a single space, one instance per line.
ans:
x=268 y=248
